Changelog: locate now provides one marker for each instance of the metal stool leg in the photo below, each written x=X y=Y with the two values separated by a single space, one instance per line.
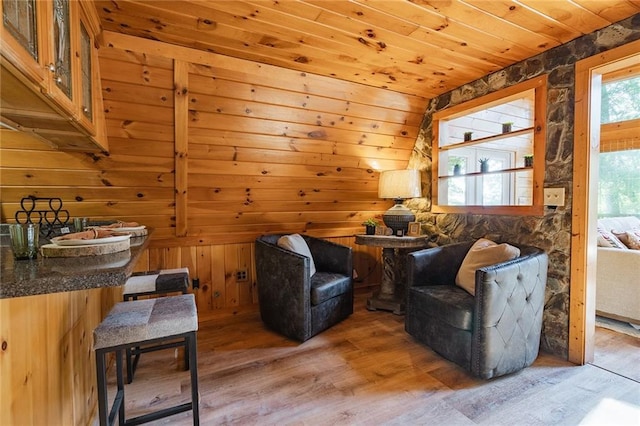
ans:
x=186 y=356
x=103 y=401
x=108 y=417
x=193 y=361
x=129 y=365
x=120 y=384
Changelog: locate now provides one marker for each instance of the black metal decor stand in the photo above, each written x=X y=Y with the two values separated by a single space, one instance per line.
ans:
x=47 y=212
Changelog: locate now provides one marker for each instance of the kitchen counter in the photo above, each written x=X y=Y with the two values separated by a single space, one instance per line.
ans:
x=49 y=308
x=46 y=275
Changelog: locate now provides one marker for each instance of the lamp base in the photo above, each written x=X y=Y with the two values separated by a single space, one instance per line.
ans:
x=397 y=218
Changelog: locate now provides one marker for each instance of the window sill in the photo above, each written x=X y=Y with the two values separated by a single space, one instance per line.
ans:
x=493 y=210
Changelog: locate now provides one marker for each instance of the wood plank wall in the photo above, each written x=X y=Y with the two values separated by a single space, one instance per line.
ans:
x=269 y=149
x=213 y=151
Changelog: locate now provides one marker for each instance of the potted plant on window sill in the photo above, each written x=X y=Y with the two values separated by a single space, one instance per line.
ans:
x=528 y=160
x=506 y=127
x=370 y=225
x=484 y=165
x=457 y=168
x=467 y=136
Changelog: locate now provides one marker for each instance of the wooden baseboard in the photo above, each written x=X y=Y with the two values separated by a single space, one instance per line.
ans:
x=618 y=317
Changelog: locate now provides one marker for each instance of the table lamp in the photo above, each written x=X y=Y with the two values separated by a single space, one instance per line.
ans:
x=399 y=185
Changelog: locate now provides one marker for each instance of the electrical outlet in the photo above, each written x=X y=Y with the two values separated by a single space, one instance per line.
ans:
x=554 y=196
x=241 y=275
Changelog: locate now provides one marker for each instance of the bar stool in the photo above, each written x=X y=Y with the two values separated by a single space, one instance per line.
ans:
x=156 y=282
x=141 y=322
x=152 y=283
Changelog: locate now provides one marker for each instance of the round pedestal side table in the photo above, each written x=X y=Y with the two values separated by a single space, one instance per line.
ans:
x=393 y=288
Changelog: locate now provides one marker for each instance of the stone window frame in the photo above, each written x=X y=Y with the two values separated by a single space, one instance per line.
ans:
x=539 y=86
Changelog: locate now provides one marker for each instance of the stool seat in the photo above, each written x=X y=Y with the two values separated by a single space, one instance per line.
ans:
x=156 y=282
x=152 y=283
x=142 y=320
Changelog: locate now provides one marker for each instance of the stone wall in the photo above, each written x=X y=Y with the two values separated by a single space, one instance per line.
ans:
x=552 y=231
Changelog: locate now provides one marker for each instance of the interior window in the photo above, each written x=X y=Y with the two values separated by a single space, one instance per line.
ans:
x=484 y=152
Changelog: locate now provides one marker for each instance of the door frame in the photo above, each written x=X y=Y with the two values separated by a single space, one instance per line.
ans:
x=586 y=148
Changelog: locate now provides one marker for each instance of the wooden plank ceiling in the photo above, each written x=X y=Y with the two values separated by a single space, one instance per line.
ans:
x=417 y=47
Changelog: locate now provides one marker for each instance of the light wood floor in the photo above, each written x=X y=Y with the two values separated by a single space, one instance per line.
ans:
x=366 y=371
x=618 y=353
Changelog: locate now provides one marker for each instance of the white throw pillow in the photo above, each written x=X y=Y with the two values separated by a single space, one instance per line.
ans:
x=297 y=244
x=482 y=253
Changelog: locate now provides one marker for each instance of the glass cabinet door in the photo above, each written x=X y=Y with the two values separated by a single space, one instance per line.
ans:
x=19 y=19
x=22 y=37
x=62 y=47
x=86 y=72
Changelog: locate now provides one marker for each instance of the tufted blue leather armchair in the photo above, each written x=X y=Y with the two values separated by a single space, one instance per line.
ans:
x=493 y=333
x=292 y=302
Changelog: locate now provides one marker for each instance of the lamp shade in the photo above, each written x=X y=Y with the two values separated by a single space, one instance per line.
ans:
x=400 y=184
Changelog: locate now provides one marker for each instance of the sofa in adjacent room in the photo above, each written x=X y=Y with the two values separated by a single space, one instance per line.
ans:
x=618 y=269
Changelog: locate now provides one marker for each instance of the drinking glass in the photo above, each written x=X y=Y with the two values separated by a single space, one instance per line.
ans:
x=24 y=240
x=79 y=223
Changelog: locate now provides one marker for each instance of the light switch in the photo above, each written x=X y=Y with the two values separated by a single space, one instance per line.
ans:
x=554 y=196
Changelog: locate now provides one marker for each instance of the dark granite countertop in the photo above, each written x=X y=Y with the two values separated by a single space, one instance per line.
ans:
x=46 y=275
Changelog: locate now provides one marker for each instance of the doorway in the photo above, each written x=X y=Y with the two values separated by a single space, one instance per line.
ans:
x=588 y=78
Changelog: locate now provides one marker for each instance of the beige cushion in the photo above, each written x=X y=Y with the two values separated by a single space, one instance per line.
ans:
x=143 y=320
x=617 y=284
x=297 y=244
x=608 y=239
x=607 y=226
x=482 y=253
x=162 y=281
x=629 y=238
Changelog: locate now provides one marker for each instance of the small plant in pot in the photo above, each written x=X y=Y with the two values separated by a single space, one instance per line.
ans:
x=457 y=168
x=467 y=136
x=506 y=127
x=528 y=160
x=484 y=165
x=370 y=224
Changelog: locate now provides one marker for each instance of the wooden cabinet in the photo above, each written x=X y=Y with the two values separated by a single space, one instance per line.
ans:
x=88 y=77
x=62 y=68
x=22 y=34
x=50 y=77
